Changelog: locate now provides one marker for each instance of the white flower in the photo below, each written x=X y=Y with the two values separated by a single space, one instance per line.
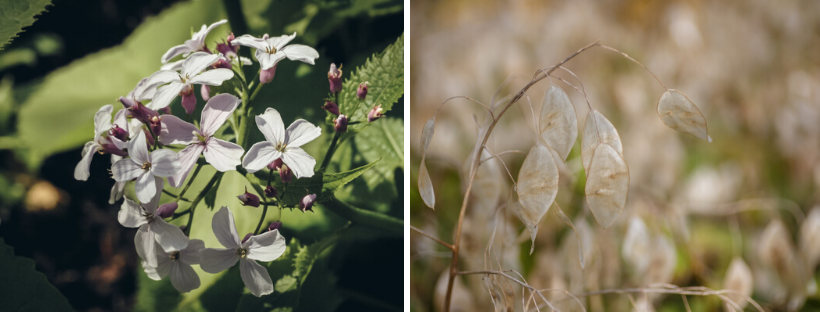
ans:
x=191 y=73
x=152 y=229
x=282 y=144
x=221 y=154
x=177 y=263
x=144 y=167
x=196 y=43
x=271 y=50
x=102 y=142
x=263 y=247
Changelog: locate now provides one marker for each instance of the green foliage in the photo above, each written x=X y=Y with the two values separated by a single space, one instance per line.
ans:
x=155 y=295
x=384 y=73
x=22 y=288
x=18 y=14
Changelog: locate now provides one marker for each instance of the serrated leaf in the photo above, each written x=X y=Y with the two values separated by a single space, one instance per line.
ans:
x=22 y=288
x=598 y=130
x=285 y=284
x=607 y=185
x=537 y=186
x=17 y=15
x=384 y=73
x=558 y=125
x=679 y=113
x=385 y=140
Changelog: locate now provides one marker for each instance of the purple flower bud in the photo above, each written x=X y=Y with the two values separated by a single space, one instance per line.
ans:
x=249 y=199
x=270 y=192
x=230 y=38
x=165 y=110
x=340 y=123
x=205 y=92
x=275 y=225
x=118 y=133
x=266 y=75
x=307 y=202
x=375 y=113
x=246 y=237
x=361 y=93
x=276 y=164
x=137 y=110
x=222 y=63
x=166 y=210
x=285 y=174
x=149 y=140
x=334 y=76
x=331 y=108
x=188 y=100
x=156 y=125
x=226 y=48
x=110 y=148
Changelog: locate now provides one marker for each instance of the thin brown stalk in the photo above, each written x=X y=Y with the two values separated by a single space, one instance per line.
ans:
x=441 y=242
x=635 y=61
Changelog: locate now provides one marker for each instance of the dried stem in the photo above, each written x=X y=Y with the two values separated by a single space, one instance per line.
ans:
x=635 y=61
x=437 y=240
x=474 y=167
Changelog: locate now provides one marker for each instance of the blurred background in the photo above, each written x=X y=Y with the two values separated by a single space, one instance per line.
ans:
x=81 y=55
x=752 y=68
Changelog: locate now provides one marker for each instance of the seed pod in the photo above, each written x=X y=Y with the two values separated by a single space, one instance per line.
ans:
x=558 y=124
x=598 y=130
x=679 y=113
x=537 y=186
x=636 y=246
x=739 y=280
x=607 y=185
x=810 y=238
x=425 y=184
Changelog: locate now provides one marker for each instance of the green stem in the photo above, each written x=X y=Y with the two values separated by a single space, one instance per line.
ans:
x=330 y=151
x=366 y=217
x=175 y=196
x=199 y=198
x=264 y=207
x=191 y=180
x=255 y=91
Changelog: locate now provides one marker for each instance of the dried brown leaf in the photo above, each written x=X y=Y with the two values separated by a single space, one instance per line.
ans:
x=558 y=124
x=607 y=185
x=679 y=113
x=537 y=186
x=598 y=130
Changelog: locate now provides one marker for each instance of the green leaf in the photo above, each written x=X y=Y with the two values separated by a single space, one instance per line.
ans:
x=73 y=94
x=155 y=295
x=18 y=14
x=22 y=288
x=384 y=73
x=385 y=140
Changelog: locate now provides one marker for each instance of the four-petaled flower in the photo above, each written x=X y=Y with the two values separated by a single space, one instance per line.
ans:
x=144 y=167
x=103 y=142
x=281 y=143
x=177 y=263
x=223 y=155
x=271 y=50
x=196 y=43
x=152 y=229
x=263 y=247
x=183 y=81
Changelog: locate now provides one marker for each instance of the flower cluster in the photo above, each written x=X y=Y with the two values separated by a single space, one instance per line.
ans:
x=148 y=144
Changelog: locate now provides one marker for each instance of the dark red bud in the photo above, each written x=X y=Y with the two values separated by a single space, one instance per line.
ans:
x=275 y=225
x=188 y=100
x=276 y=164
x=205 y=92
x=340 y=123
x=266 y=75
x=167 y=210
x=118 y=133
x=361 y=93
x=249 y=199
x=334 y=76
x=331 y=108
x=375 y=113
x=307 y=202
x=270 y=192
x=285 y=174
x=247 y=236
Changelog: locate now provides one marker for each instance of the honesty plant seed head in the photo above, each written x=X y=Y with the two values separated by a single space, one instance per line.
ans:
x=283 y=144
x=334 y=76
x=361 y=92
x=331 y=107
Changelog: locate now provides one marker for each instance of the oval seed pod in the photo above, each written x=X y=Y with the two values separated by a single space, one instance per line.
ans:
x=558 y=124
x=679 y=113
x=598 y=130
x=810 y=238
x=607 y=185
x=425 y=184
x=739 y=280
x=777 y=252
x=537 y=186
x=636 y=246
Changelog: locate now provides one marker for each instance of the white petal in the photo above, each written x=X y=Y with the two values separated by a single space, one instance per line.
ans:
x=121 y=119
x=118 y=143
x=131 y=214
x=138 y=149
x=183 y=277
x=164 y=163
x=203 y=32
x=175 y=66
x=271 y=125
x=192 y=253
x=187 y=159
x=217 y=260
x=250 y=41
x=174 y=51
x=225 y=228
x=213 y=77
x=151 y=272
x=144 y=241
x=116 y=192
x=165 y=95
x=81 y=172
x=267 y=246
x=169 y=236
x=151 y=206
x=260 y=155
x=223 y=155
x=256 y=277
x=267 y=60
x=300 y=132
x=197 y=62
x=299 y=161
x=218 y=109
x=146 y=187
x=245 y=60
x=102 y=119
x=125 y=170
x=303 y=53
x=144 y=91
x=281 y=41
x=162 y=77
x=176 y=131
